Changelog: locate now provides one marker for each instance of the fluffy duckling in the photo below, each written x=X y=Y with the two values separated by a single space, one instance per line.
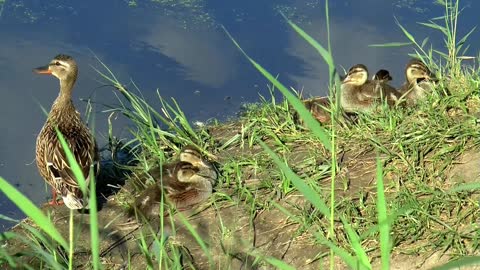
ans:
x=184 y=183
x=382 y=75
x=419 y=81
x=51 y=160
x=318 y=107
x=358 y=94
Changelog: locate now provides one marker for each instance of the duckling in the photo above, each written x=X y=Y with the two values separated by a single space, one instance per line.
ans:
x=193 y=156
x=382 y=75
x=318 y=107
x=419 y=81
x=51 y=160
x=358 y=94
x=184 y=183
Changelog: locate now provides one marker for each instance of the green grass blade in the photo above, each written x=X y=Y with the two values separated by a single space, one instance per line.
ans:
x=31 y=210
x=310 y=122
x=405 y=32
x=197 y=237
x=71 y=240
x=424 y=42
x=77 y=172
x=391 y=44
x=384 y=226
x=94 y=235
x=307 y=191
x=458 y=264
x=326 y=55
x=279 y=264
x=465 y=187
x=327 y=21
x=356 y=245
x=464 y=39
x=41 y=247
x=436 y=26
x=351 y=261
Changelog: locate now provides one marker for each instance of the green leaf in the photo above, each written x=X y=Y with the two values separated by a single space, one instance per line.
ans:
x=391 y=44
x=356 y=245
x=310 y=194
x=77 y=171
x=31 y=210
x=311 y=122
x=279 y=264
x=458 y=264
x=384 y=225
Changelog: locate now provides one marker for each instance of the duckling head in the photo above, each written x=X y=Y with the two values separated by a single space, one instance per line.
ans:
x=62 y=66
x=186 y=171
x=382 y=75
x=357 y=75
x=417 y=71
x=193 y=156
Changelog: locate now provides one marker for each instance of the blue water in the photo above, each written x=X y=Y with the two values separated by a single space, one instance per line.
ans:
x=183 y=52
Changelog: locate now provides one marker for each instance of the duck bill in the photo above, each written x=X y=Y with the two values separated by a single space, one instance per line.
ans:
x=42 y=70
x=347 y=80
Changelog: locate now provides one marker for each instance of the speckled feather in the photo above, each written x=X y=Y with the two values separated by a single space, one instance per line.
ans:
x=51 y=160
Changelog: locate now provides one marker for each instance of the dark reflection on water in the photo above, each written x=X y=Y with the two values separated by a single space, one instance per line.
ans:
x=184 y=53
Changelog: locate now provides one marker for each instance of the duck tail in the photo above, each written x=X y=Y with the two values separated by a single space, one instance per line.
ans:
x=74 y=202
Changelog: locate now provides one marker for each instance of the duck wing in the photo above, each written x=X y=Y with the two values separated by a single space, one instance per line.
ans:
x=84 y=150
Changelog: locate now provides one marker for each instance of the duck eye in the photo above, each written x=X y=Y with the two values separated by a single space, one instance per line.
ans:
x=57 y=63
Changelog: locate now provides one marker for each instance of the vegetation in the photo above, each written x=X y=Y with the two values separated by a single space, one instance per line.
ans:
x=366 y=192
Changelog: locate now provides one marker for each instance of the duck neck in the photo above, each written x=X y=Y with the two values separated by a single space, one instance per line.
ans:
x=63 y=105
x=66 y=87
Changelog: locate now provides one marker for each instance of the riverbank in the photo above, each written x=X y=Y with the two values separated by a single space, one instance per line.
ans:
x=257 y=214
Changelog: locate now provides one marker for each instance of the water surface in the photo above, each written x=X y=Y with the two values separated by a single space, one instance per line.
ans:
x=182 y=51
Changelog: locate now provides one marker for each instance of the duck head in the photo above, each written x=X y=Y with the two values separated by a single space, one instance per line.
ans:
x=62 y=66
x=193 y=156
x=382 y=75
x=416 y=71
x=186 y=171
x=357 y=75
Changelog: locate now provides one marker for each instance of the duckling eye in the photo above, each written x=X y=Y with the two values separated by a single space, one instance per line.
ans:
x=57 y=63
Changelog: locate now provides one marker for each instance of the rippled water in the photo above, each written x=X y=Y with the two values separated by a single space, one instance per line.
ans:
x=179 y=48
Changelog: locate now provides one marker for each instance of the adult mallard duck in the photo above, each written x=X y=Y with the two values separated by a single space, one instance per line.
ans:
x=419 y=81
x=51 y=160
x=185 y=182
x=358 y=94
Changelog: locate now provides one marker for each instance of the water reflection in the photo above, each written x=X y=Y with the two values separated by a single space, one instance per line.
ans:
x=182 y=52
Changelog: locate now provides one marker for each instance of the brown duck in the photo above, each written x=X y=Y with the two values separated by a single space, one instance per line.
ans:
x=51 y=160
